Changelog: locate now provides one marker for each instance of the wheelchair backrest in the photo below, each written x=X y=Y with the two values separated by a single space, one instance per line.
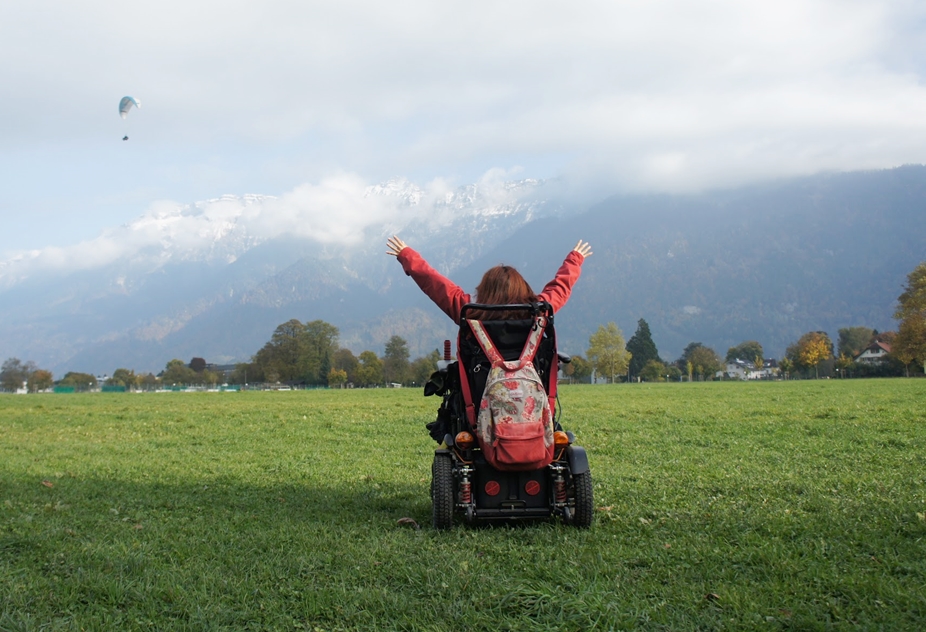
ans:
x=509 y=337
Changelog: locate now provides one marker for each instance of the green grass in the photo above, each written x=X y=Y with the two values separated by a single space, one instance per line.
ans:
x=773 y=506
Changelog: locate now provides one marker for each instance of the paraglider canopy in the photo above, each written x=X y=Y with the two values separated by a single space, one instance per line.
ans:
x=126 y=104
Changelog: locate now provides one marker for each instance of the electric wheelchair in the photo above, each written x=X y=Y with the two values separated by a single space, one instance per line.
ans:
x=464 y=485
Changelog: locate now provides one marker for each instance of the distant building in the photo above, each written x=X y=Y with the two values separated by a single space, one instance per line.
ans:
x=875 y=353
x=225 y=370
x=745 y=370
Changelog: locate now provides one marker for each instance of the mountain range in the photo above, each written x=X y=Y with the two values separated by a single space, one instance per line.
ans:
x=764 y=262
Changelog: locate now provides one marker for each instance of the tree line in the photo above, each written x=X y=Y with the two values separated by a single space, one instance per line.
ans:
x=309 y=354
x=812 y=354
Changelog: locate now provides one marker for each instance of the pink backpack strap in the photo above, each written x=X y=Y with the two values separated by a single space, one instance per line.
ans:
x=527 y=354
x=482 y=337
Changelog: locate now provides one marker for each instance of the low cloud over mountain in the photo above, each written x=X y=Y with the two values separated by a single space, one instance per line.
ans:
x=213 y=279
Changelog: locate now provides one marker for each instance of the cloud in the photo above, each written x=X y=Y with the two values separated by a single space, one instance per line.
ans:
x=335 y=211
x=239 y=96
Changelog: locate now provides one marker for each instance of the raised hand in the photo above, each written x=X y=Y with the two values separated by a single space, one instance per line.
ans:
x=395 y=246
x=583 y=248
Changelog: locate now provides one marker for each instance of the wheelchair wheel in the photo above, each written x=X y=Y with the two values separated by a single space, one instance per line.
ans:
x=585 y=506
x=442 y=492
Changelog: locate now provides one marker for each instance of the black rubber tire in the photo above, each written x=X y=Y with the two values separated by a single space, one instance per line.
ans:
x=585 y=503
x=442 y=492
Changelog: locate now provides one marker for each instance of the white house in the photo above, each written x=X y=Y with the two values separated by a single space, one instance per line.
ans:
x=874 y=353
x=745 y=370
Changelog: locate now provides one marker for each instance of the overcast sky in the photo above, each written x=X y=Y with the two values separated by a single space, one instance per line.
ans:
x=270 y=97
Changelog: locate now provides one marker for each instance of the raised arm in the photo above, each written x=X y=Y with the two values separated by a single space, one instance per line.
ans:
x=446 y=294
x=557 y=291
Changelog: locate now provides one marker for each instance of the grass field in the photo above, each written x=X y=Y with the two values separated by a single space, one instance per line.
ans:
x=729 y=506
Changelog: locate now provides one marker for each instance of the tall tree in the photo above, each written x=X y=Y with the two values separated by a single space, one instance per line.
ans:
x=177 y=373
x=682 y=362
x=642 y=348
x=581 y=369
x=370 y=372
x=910 y=343
x=40 y=380
x=607 y=352
x=14 y=373
x=395 y=361
x=321 y=342
x=345 y=360
x=704 y=362
x=853 y=340
x=810 y=350
x=422 y=368
x=748 y=351
x=123 y=377
x=80 y=381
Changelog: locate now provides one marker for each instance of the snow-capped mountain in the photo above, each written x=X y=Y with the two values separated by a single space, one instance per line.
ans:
x=144 y=282
x=214 y=279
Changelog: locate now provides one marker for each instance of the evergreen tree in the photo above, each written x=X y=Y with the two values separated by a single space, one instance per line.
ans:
x=395 y=361
x=642 y=348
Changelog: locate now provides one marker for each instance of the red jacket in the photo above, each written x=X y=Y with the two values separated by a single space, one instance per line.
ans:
x=451 y=298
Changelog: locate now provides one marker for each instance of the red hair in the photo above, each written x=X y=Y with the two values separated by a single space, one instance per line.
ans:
x=501 y=285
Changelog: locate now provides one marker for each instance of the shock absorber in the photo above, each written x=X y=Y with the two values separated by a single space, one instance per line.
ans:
x=466 y=492
x=466 y=486
x=559 y=488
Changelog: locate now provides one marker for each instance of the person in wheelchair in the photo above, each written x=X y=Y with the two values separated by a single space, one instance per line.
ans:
x=500 y=285
x=483 y=484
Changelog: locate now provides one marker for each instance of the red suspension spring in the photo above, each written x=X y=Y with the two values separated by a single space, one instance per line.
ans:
x=559 y=490
x=466 y=492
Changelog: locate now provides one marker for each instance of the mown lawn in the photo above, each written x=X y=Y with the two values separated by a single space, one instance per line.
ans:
x=798 y=505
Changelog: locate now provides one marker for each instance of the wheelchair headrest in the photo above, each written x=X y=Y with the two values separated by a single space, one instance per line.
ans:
x=541 y=308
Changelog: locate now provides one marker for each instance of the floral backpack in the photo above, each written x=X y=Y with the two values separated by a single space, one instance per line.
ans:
x=514 y=426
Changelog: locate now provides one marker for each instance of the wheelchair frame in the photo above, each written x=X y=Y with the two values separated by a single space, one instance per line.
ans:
x=464 y=484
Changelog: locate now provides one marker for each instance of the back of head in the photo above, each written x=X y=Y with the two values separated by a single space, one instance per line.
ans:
x=499 y=286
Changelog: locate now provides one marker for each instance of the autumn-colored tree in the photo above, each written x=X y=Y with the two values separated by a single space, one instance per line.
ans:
x=40 y=380
x=810 y=350
x=704 y=362
x=337 y=377
x=910 y=343
x=607 y=353
x=843 y=364
x=370 y=372
x=654 y=371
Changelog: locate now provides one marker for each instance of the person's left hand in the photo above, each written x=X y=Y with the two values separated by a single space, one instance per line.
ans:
x=395 y=246
x=583 y=248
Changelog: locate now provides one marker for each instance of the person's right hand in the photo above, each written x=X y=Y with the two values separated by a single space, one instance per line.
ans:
x=583 y=248
x=395 y=246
